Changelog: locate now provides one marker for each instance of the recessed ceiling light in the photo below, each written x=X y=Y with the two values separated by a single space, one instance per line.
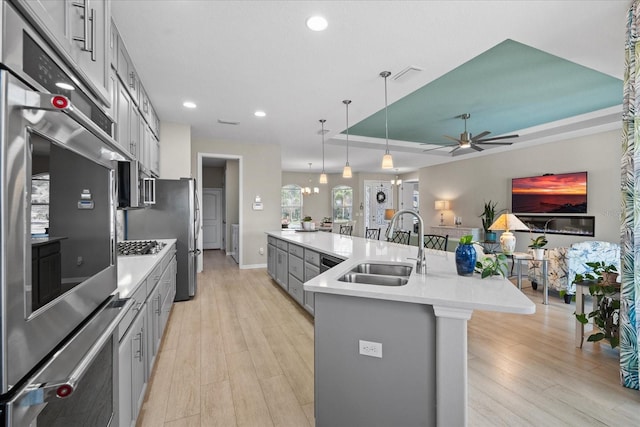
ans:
x=259 y=114
x=65 y=86
x=317 y=23
x=189 y=104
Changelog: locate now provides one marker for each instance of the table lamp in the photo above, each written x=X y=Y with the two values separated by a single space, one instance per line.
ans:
x=389 y=213
x=442 y=205
x=507 y=222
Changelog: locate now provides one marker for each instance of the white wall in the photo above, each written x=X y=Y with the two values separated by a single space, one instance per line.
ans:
x=175 y=151
x=469 y=183
x=231 y=191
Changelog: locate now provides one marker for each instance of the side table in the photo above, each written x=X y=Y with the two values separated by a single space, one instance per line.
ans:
x=518 y=257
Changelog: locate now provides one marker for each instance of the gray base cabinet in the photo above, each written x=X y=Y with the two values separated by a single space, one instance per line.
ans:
x=351 y=389
x=140 y=334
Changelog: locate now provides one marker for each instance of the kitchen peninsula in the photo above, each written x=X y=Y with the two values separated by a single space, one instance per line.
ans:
x=394 y=354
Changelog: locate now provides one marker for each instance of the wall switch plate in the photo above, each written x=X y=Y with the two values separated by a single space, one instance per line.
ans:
x=369 y=348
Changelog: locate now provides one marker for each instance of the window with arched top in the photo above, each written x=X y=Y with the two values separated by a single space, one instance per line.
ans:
x=342 y=203
x=291 y=204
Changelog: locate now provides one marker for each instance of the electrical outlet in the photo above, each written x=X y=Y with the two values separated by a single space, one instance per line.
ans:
x=368 y=348
x=261 y=251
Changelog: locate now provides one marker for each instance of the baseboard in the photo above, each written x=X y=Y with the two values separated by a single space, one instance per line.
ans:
x=251 y=266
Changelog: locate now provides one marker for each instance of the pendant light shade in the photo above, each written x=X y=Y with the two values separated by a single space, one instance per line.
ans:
x=346 y=172
x=323 y=176
x=387 y=160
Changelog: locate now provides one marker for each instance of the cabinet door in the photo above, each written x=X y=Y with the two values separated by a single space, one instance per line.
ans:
x=123 y=126
x=134 y=132
x=153 y=316
x=282 y=268
x=132 y=374
x=90 y=27
x=155 y=156
x=271 y=260
x=127 y=72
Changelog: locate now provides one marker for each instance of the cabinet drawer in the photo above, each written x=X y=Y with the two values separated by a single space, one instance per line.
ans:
x=295 y=289
x=296 y=267
x=310 y=271
x=167 y=260
x=282 y=244
x=272 y=240
x=139 y=296
x=296 y=250
x=312 y=257
x=309 y=301
x=155 y=275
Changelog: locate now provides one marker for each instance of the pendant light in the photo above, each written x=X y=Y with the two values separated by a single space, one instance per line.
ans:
x=308 y=190
x=346 y=172
x=323 y=176
x=387 y=160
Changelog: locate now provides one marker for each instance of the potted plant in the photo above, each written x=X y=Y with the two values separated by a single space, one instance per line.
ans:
x=606 y=309
x=307 y=223
x=538 y=245
x=488 y=217
x=493 y=266
x=465 y=256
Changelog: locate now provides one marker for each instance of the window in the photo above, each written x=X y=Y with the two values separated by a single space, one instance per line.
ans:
x=291 y=203
x=342 y=198
x=40 y=203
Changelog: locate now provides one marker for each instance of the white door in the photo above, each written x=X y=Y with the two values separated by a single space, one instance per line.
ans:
x=378 y=197
x=212 y=218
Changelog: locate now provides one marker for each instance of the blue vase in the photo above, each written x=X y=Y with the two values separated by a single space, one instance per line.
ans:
x=465 y=259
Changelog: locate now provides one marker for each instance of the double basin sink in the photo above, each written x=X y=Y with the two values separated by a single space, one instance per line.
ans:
x=380 y=274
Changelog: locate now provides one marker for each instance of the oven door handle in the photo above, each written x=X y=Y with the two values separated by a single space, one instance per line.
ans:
x=43 y=103
x=38 y=391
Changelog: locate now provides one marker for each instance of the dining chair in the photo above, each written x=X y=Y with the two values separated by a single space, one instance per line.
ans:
x=346 y=230
x=372 y=233
x=402 y=237
x=436 y=241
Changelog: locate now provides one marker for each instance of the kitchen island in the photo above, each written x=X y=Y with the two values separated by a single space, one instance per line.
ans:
x=415 y=335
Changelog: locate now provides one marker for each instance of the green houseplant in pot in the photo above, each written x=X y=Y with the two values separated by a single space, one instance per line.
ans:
x=605 y=291
x=493 y=265
x=538 y=245
x=307 y=223
x=488 y=217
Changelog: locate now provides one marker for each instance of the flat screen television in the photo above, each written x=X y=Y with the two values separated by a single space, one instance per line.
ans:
x=550 y=193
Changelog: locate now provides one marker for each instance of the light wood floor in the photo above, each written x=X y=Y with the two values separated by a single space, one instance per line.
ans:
x=241 y=354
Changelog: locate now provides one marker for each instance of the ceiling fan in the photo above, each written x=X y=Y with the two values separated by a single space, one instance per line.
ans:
x=467 y=140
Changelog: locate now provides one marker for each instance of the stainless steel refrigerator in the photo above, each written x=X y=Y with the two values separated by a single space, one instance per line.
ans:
x=176 y=214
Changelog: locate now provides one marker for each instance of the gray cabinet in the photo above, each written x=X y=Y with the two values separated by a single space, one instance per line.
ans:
x=128 y=122
x=132 y=374
x=271 y=259
x=282 y=267
x=78 y=30
x=311 y=270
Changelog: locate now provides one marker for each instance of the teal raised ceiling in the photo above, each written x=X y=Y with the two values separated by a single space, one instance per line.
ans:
x=509 y=87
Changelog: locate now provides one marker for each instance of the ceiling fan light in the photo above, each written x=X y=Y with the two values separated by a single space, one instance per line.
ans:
x=465 y=144
x=323 y=178
x=387 y=161
x=346 y=172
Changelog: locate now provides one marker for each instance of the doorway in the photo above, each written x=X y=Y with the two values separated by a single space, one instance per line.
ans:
x=377 y=197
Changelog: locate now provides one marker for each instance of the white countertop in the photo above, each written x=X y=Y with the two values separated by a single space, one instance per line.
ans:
x=441 y=286
x=133 y=269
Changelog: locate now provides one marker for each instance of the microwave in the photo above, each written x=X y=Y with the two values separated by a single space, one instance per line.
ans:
x=136 y=188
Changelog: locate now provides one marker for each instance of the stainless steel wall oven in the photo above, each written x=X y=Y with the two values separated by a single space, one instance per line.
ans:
x=57 y=237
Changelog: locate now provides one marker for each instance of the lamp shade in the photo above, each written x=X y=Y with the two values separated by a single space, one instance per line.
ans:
x=507 y=222
x=346 y=172
x=442 y=205
x=387 y=161
x=389 y=213
x=323 y=178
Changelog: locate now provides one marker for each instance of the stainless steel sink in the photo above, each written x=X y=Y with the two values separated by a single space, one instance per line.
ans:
x=386 y=269
x=374 y=279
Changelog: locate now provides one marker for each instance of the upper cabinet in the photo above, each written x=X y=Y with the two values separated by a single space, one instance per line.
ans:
x=79 y=31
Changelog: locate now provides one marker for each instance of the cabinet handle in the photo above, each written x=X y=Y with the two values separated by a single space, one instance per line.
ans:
x=138 y=338
x=88 y=20
x=132 y=80
x=159 y=309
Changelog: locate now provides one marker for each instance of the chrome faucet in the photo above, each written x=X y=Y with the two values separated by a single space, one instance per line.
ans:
x=421 y=261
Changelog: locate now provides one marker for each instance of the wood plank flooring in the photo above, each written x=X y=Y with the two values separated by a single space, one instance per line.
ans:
x=241 y=354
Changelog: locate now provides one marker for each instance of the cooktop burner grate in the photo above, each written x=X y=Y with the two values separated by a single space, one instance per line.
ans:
x=139 y=247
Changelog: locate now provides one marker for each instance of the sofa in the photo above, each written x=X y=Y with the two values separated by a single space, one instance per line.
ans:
x=565 y=263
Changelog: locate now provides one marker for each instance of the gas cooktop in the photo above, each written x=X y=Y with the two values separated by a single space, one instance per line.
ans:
x=139 y=247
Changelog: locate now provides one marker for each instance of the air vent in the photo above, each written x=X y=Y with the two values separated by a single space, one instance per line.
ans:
x=407 y=72
x=228 y=122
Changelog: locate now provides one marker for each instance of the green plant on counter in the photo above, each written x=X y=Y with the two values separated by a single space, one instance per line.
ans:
x=307 y=219
x=466 y=240
x=493 y=266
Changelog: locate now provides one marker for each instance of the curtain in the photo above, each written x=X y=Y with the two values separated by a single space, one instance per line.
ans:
x=630 y=188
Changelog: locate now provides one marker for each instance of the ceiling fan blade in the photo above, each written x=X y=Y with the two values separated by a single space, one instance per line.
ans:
x=494 y=143
x=436 y=148
x=480 y=135
x=497 y=138
x=454 y=139
x=475 y=147
x=455 y=149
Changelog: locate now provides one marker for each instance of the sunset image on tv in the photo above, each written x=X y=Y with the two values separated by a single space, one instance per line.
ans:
x=561 y=193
